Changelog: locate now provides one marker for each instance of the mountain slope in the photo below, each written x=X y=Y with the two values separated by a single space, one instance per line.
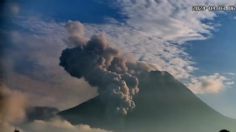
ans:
x=163 y=104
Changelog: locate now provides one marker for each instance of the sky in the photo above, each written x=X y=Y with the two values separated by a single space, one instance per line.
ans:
x=220 y=59
x=197 y=48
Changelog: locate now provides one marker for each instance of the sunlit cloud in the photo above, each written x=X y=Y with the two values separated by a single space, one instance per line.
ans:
x=58 y=125
x=13 y=106
x=209 y=84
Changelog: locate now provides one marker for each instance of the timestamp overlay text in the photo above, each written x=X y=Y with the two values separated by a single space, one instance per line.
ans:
x=214 y=8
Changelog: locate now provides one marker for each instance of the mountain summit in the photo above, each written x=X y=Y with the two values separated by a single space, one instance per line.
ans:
x=163 y=104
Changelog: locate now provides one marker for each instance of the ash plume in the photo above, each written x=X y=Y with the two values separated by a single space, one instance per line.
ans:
x=102 y=66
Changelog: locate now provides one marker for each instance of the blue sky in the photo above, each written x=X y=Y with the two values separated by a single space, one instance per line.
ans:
x=196 y=47
x=90 y=11
x=217 y=54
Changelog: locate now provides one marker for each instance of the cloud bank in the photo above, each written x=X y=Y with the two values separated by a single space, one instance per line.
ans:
x=209 y=84
x=12 y=108
x=57 y=125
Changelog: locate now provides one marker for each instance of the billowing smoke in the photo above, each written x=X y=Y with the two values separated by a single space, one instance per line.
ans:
x=12 y=108
x=102 y=66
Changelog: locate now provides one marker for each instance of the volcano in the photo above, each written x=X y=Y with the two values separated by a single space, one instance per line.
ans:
x=163 y=104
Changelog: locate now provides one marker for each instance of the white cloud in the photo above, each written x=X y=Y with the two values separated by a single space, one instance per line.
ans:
x=209 y=84
x=42 y=79
x=167 y=19
x=154 y=32
x=57 y=125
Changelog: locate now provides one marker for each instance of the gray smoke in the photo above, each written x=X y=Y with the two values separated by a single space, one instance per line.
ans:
x=102 y=66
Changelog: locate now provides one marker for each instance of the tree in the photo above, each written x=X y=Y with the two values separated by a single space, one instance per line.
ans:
x=224 y=130
x=17 y=130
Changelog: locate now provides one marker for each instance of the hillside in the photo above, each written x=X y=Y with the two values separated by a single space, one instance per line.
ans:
x=163 y=104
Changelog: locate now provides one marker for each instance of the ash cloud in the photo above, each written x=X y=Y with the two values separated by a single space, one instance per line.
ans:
x=102 y=66
x=76 y=34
